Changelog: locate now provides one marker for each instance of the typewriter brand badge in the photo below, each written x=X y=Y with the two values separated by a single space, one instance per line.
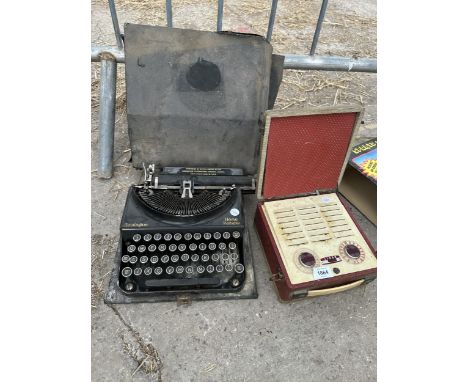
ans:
x=322 y=273
x=234 y=212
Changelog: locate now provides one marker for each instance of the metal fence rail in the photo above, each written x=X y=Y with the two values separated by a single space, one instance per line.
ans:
x=109 y=56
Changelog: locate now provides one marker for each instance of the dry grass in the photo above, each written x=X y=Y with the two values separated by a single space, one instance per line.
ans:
x=102 y=250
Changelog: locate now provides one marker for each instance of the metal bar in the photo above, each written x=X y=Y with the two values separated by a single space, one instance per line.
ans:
x=271 y=22
x=107 y=117
x=101 y=52
x=318 y=28
x=169 y=13
x=332 y=63
x=219 y=25
x=115 y=23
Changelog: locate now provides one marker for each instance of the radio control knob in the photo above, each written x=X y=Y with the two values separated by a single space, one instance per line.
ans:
x=352 y=251
x=177 y=236
x=137 y=271
x=127 y=272
x=136 y=238
x=131 y=248
x=147 y=237
x=217 y=235
x=157 y=236
x=307 y=259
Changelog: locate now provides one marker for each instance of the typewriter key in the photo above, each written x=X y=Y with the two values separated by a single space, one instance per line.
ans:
x=136 y=237
x=175 y=258
x=147 y=237
x=225 y=256
x=137 y=271
x=148 y=271
x=158 y=271
x=202 y=246
x=212 y=246
x=235 y=282
x=236 y=234
x=172 y=247
x=179 y=269
x=127 y=272
x=125 y=259
x=185 y=257
x=200 y=269
x=210 y=268
x=170 y=270
x=232 y=245
x=228 y=267
x=154 y=259
x=239 y=268
x=197 y=236
x=162 y=247
x=207 y=235
x=182 y=247
x=217 y=235
x=189 y=269
x=193 y=247
x=129 y=287
x=152 y=248
x=131 y=248
x=177 y=236
x=157 y=236
x=219 y=268
x=195 y=257
x=188 y=236
x=234 y=256
x=222 y=246
x=205 y=257
x=142 y=248
x=215 y=257
x=165 y=259
x=133 y=259
x=168 y=237
x=143 y=259
x=226 y=235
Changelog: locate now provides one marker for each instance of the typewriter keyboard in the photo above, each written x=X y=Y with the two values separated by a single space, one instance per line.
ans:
x=171 y=261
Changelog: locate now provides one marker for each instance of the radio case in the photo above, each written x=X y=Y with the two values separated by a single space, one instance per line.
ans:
x=303 y=157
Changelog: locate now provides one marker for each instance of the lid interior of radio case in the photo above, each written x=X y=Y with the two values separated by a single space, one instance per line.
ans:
x=305 y=151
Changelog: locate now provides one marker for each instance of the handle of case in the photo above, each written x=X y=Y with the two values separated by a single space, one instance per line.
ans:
x=341 y=288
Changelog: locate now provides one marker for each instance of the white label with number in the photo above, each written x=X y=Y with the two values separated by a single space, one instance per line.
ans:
x=322 y=273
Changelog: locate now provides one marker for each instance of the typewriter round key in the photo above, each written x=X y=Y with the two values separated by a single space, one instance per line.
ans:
x=177 y=236
x=179 y=269
x=188 y=236
x=147 y=237
x=142 y=248
x=137 y=271
x=200 y=269
x=127 y=272
x=125 y=259
x=205 y=257
x=172 y=247
x=158 y=271
x=152 y=248
x=130 y=287
x=192 y=247
x=225 y=256
x=202 y=246
x=170 y=270
x=136 y=238
x=131 y=248
x=207 y=235
x=232 y=245
x=185 y=257
x=234 y=256
x=162 y=247
x=182 y=247
x=215 y=257
x=133 y=260
x=154 y=259
x=197 y=236
x=217 y=235
x=210 y=268
x=143 y=259
x=228 y=267
x=236 y=234
x=157 y=236
x=239 y=268
x=195 y=257
x=165 y=259
x=226 y=235
x=219 y=268
x=222 y=246
x=189 y=269
x=212 y=246
x=168 y=237
x=148 y=271
x=175 y=258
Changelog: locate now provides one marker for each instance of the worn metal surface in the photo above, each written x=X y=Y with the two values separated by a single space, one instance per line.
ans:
x=333 y=63
x=107 y=117
x=195 y=98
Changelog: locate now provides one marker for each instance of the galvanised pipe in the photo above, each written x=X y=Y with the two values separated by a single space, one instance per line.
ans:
x=318 y=28
x=331 y=63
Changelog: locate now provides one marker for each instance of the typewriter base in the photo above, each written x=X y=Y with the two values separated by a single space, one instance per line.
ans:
x=115 y=295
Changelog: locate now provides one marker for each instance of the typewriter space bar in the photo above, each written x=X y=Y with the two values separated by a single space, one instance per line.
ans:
x=181 y=282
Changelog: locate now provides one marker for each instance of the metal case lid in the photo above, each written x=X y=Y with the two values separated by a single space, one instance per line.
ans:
x=195 y=98
x=305 y=150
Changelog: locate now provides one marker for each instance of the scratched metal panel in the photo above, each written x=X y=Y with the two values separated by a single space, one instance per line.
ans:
x=195 y=98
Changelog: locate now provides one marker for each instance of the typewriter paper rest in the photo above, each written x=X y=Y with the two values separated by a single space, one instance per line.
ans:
x=317 y=238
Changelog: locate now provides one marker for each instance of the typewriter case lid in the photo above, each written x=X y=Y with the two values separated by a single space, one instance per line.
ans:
x=305 y=151
x=196 y=98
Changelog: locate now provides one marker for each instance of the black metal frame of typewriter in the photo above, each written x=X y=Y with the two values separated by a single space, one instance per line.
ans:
x=115 y=295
